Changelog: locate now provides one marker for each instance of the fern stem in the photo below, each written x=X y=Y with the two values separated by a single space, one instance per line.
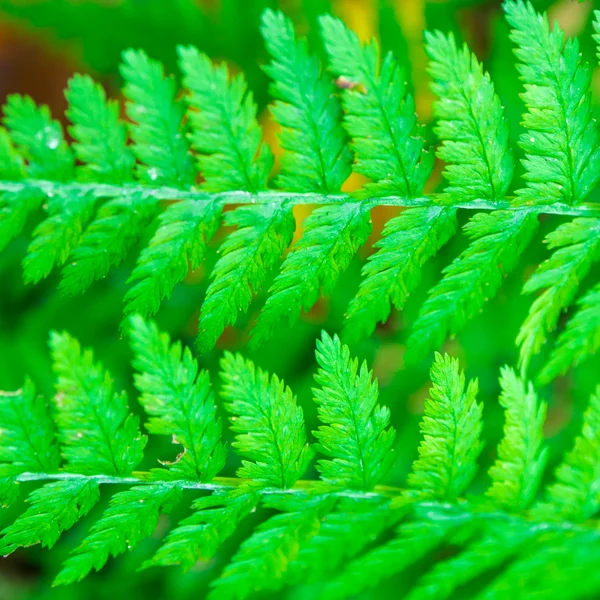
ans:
x=590 y=209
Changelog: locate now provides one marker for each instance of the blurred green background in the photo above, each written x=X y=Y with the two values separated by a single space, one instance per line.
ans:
x=43 y=42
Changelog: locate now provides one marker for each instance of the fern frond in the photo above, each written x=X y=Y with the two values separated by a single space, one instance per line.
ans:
x=131 y=517
x=561 y=144
x=199 y=536
x=179 y=399
x=180 y=241
x=106 y=240
x=412 y=542
x=380 y=114
x=160 y=144
x=498 y=543
x=451 y=429
x=317 y=158
x=332 y=236
x=522 y=456
x=342 y=534
x=247 y=256
x=498 y=240
x=263 y=559
x=576 y=246
x=575 y=494
x=100 y=137
x=356 y=435
x=55 y=237
x=39 y=139
x=27 y=433
x=268 y=423
x=54 y=508
x=470 y=123
x=394 y=270
x=12 y=165
x=97 y=433
x=580 y=339
x=224 y=127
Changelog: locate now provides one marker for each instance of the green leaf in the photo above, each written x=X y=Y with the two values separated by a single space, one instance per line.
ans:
x=356 y=435
x=179 y=243
x=100 y=138
x=316 y=157
x=575 y=495
x=27 y=433
x=562 y=154
x=131 y=517
x=39 y=138
x=522 y=454
x=55 y=237
x=199 y=536
x=380 y=114
x=178 y=398
x=332 y=236
x=268 y=423
x=106 y=240
x=15 y=208
x=247 y=256
x=54 y=508
x=224 y=127
x=451 y=428
x=159 y=138
x=498 y=240
x=98 y=434
x=263 y=559
x=577 y=246
x=470 y=123
x=393 y=272
x=580 y=339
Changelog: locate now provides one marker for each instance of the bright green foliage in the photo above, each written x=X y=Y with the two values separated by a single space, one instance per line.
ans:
x=100 y=137
x=199 y=536
x=317 y=158
x=451 y=429
x=498 y=543
x=576 y=246
x=394 y=271
x=580 y=339
x=179 y=399
x=268 y=423
x=561 y=566
x=413 y=541
x=356 y=436
x=561 y=145
x=106 y=240
x=14 y=211
x=27 y=433
x=55 y=237
x=11 y=162
x=263 y=559
x=343 y=533
x=380 y=114
x=521 y=454
x=332 y=236
x=498 y=240
x=247 y=256
x=344 y=537
x=367 y=111
x=575 y=494
x=97 y=433
x=39 y=139
x=131 y=517
x=159 y=139
x=179 y=244
x=55 y=507
x=224 y=127
x=470 y=123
